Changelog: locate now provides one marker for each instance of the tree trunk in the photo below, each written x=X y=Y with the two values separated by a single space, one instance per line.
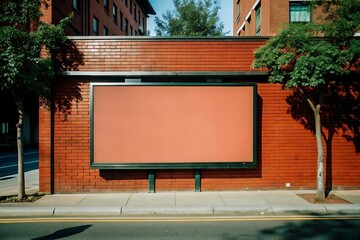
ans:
x=320 y=189
x=320 y=163
x=21 y=175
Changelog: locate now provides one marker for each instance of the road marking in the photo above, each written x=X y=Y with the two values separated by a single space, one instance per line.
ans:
x=15 y=155
x=165 y=219
x=15 y=165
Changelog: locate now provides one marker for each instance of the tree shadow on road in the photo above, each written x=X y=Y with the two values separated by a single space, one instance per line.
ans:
x=64 y=233
x=315 y=229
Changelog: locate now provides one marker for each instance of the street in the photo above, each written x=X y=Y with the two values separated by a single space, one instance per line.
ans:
x=8 y=162
x=183 y=228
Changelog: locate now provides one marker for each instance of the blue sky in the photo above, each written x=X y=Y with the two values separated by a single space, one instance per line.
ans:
x=160 y=7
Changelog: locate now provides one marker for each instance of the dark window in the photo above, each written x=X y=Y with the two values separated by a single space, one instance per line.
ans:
x=95 y=26
x=121 y=20
x=135 y=33
x=258 y=20
x=126 y=27
x=114 y=12
x=135 y=11
x=131 y=31
x=131 y=6
x=126 y=3
x=76 y=5
x=105 y=31
x=106 y=5
x=139 y=16
x=299 y=12
x=238 y=10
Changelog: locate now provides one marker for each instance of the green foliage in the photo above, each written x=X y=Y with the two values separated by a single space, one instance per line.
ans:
x=191 y=18
x=22 y=69
x=298 y=57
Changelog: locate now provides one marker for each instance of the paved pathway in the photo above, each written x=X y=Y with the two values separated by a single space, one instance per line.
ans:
x=171 y=203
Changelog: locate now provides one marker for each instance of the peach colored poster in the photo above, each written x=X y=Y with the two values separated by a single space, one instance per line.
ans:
x=173 y=124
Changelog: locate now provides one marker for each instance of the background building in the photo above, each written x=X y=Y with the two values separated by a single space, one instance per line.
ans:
x=266 y=18
x=102 y=17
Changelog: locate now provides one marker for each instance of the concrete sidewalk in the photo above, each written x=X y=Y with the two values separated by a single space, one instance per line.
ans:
x=181 y=203
x=234 y=203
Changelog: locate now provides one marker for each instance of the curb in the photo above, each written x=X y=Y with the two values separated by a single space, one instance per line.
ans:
x=341 y=209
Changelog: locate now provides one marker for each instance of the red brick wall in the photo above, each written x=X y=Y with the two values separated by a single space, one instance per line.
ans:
x=287 y=152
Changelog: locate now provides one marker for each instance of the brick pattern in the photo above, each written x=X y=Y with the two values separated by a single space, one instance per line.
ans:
x=287 y=152
x=137 y=55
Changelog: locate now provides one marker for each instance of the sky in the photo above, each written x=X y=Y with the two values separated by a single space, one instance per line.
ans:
x=160 y=7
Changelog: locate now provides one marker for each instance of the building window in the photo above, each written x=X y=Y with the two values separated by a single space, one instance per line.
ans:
x=106 y=5
x=139 y=17
x=131 y=6
x=131 y=31
x=238 y=10
x=121 y=20
x=299 y=12
x=143 y=26
x=95 y=26
x=114 y=13
x=5 y=128
x=135 y=33
x=135 y=11
x=258 y=20
x=105 y=31
x=126 y=27
x=76 y=5
x=126 y=3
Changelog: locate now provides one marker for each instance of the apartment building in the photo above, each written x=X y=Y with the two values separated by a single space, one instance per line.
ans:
x=267 y=17
x=102 y=17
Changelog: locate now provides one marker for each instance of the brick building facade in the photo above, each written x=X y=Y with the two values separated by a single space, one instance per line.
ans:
x=101 y=17
x=266 y=18
x=286 y=151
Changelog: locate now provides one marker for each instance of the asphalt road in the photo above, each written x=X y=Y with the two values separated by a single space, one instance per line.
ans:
x=8 y=162
x=182 y=228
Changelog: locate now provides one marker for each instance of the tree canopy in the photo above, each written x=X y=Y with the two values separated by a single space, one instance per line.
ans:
x=191 y=18
x=23 y=69
x=318 y=60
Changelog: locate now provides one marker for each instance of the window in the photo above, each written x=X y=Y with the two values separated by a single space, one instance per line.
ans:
x=5 y=128
x=131 y=31
x=143 y=26
x=135 y=11
x=299 y=12
x=121 y=20
x=95 y=26
x=106 y=5
x=76 y=5
x=126 y=3
x=126 y=27
x=105 y=31
x=238 y=10
x=135 y=33
x=258 y=20
x=139 y=16
x=114 y=13
x=131 y=6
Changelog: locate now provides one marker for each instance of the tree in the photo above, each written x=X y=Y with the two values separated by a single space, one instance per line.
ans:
x=315 y=66
x=22 y=69
x=191 y=18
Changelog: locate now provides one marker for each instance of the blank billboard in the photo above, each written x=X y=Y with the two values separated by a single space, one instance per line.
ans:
x=173 y=125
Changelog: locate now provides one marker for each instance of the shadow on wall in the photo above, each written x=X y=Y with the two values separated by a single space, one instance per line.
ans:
x=67 y=58
x=340 y=113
